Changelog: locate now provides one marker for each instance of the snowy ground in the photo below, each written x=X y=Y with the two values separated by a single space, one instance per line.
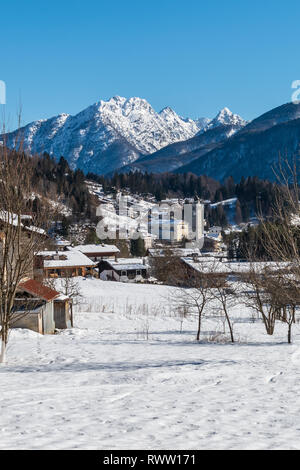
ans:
x=126 y=378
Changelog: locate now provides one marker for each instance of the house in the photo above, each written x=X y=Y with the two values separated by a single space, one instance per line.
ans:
x=212 y=243
x=174 y=221
x=97 y=252
x=173 y=251
x=61 y=244
x=51 y=264
x=123 y=270
x=215 y=229
x=148 y=240
x=41 y=309
x=212 y=269
x=19 y=236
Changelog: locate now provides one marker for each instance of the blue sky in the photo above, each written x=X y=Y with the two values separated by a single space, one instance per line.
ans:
x=195 y=56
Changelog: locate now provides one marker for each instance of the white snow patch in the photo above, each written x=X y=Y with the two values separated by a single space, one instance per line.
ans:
x=125 y=377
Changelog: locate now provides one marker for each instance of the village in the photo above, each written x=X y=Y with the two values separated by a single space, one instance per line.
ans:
x=162 y=232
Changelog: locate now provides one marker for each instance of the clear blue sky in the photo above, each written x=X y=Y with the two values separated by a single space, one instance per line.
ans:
x=195 y=56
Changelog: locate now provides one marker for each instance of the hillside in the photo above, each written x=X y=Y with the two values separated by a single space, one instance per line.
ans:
x=254 y=151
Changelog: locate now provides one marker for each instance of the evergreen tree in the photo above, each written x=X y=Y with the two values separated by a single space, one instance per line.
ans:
x=137 y=247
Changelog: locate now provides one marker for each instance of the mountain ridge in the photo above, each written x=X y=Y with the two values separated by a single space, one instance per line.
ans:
x=109 y=135
x=130 y=126
x=256 y=149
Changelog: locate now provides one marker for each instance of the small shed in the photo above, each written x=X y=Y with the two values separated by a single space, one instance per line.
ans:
x=34 y=307
x=63 y=312
x=41 y=309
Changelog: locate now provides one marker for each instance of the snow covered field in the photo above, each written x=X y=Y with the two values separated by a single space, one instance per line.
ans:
x=126 y=377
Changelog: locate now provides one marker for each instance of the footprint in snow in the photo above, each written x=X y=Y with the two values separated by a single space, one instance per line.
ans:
x=274 y=378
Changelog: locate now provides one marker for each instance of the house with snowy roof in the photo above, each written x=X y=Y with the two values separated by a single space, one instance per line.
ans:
x=97 y=252
x=124 y=270
x=70 y=263
x=60 y=243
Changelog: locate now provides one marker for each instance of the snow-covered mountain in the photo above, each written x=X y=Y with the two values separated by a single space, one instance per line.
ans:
x=108 y=134
x=225 y=118
x=173 y=156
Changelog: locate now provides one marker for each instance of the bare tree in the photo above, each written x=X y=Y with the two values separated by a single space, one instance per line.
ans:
x=275 y=288
x=20 y=237
x=197 y=293
x=226 y=296
x=258 y=296
x=195 y=300
x=70 y=287
x=285 y=297
x=288 y=316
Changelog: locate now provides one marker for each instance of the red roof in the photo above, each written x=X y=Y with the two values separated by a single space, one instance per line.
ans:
x=38 y=289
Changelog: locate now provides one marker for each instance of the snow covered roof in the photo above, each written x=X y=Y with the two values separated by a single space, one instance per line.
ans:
x=62 y=297
x=65 y=259
x=127 y=263
x=210 y=265
x=61 y=242
x=174 y=251
x=226 y=202
x=9 y=218
x=32 y=228
x=96 y=248
x=13 y=219
x=213 y=236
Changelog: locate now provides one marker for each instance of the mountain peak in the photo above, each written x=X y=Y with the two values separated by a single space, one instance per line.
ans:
x=225 y=112
x=167 y=110
x=225 y=117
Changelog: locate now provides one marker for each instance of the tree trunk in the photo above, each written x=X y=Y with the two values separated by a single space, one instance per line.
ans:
x=199 y=325
x=229 y=326
x=270 y=328
x=290 y=333
x=3 y=351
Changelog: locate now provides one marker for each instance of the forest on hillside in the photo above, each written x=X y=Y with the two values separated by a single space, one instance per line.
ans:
x=255 y=196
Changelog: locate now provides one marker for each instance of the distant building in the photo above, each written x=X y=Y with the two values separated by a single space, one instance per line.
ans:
x=173 y=230
x=148 y=240
x=212 y=243
x=215 y=230
x=175 y=221
x=25 y=243
x=123 y=270
x=174 y=251
x=61 y=244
